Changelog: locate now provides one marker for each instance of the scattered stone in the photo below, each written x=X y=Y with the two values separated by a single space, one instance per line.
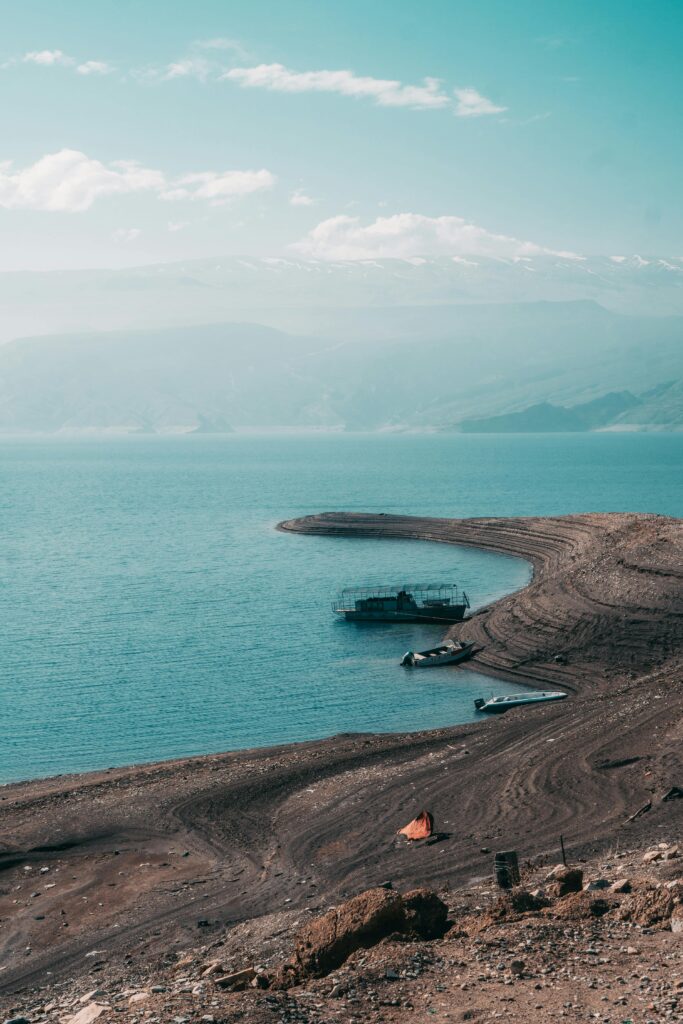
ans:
x=651 y=856
x=623 y=885
x=138 y=997
x=89 y=996
x=237 y=980
x=87 y=1015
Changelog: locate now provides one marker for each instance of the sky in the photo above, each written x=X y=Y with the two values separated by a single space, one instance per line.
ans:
x=140 y=131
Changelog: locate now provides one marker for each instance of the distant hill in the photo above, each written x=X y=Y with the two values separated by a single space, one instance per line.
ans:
x=659 y=408
x=553 y=366
x=340 y=299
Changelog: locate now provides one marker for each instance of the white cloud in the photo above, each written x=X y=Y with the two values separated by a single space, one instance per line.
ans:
x=126 y=234
x=94 y=67
x=219 y=188
x=473 y=104
x=300 y=198
x=70 y=181
x=385 y=92
x=177 y=225
x=221 y=43
x=189 y=67
x=406 y=235
x=47 y=58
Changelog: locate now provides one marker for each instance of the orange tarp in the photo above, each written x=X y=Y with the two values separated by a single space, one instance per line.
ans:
x=419 y=828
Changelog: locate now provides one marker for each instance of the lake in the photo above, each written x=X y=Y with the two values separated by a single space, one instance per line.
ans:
x=150 y=609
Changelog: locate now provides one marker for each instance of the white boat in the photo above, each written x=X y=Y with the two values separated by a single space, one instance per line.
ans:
x=447 y=654
x=497 y=705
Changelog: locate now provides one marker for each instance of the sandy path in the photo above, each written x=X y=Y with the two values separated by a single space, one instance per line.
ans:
x=137 y=857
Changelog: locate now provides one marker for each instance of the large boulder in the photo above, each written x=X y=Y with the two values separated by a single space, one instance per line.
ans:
x=357 y=924
x=425 y=914
x=650 y=908
x=563 y=880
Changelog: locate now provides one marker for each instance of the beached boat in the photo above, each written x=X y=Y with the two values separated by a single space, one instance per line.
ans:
x=447 y=654
x=412 y=602
x=497 y=705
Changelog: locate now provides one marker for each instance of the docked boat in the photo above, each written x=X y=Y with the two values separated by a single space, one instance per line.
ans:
x=412 y=602
x=447 y=654
x=497 y=705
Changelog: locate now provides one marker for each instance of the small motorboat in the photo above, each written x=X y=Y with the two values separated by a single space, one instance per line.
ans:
x=447 y=654
x=497 y=705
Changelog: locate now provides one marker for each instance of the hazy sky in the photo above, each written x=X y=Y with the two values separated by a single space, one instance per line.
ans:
x=143 y=130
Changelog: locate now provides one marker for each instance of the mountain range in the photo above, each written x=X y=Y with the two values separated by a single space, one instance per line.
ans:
x=330 y=299
x=402 y=367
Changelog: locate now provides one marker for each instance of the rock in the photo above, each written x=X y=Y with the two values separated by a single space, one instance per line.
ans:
x=358 y=924
x=564 y=880
x=651 y=856
x=18 y=1020
x=88 y=1014
x=238 y=980
x=670 y=853
x=581 y=906
x=89 y=996
x=515 y=901
x=649 y=908
x=675 y=793
x=138 y=997
x=596 y=884
x=215 y=967
x=677 y=919
x=425 y=914
x=622 y=885
x=517 y=967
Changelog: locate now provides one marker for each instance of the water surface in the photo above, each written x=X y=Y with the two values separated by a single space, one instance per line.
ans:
x=150 y=609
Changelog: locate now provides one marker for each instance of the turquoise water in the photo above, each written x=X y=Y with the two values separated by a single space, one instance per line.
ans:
x=149 y=608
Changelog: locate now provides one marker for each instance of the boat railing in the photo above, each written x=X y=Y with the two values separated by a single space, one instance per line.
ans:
x=423 y=593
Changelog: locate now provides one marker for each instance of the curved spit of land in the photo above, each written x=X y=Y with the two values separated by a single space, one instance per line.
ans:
x=138 y=856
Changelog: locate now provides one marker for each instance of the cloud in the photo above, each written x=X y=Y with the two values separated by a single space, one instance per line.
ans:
x=472 y=104
x=385 y=92
x=70 y=181
x=177 y=225
x=47 y=58
x=126 y=234
x=300 y=198
x=406 y=235
x=219 y=188
x=222 y=43
x=94 y=67
x=189 y=67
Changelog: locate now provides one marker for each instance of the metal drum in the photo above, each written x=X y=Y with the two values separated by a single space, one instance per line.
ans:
x=506 y=869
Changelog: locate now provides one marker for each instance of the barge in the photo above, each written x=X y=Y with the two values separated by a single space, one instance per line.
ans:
x=411 y=602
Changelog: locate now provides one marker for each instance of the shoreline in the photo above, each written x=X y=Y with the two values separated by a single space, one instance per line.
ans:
x=228 y=836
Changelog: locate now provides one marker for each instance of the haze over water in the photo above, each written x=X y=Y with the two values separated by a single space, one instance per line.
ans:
x=151 y=610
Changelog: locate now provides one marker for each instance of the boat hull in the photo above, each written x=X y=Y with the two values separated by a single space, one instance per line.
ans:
x=501 y=705
x=455 y=613
x=425 y=660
